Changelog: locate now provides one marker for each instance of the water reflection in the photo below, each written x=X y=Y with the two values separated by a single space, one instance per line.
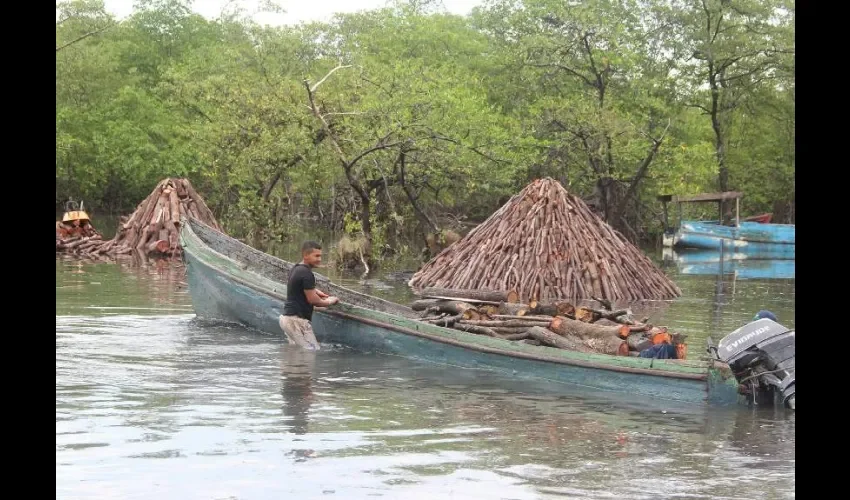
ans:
x=296 y=366
x=740 y=267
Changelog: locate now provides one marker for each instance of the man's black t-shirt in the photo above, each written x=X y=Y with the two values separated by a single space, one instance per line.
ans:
x=300 y=278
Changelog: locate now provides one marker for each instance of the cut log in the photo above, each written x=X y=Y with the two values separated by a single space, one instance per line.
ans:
x=174 y=203
x=447 y=321
x=565 y=326
x=516 y=336
x=173 y=236
x=608 y=345
x=561 y=308
x=508 y=330
x=497 y=317
x=546 y=337
x=461 y=299
x=471 y=315
x=513 y=309
x=157 y=246
x=606 y=304
x=488 y=310
x=586 y=315
x=160 y=207
x=181 y=188
x=618 y=316
x=508 y=323
x=204 y=213
x=448 y=306
x=483 y=295
x=479 y=330
x=192 y=208
x=638 y=342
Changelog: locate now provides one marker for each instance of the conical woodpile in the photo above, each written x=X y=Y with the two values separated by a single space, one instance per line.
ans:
x=154 y=227
x=545 y=244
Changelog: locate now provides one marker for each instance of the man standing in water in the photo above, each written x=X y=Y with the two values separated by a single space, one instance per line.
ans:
x=301 y=296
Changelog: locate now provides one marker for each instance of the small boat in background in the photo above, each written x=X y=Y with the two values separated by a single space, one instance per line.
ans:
x=761 y=219
x=753 y=237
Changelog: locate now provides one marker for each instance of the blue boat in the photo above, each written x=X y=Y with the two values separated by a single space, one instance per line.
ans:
x=232 y=282
x=742 y=239
x=714 y=263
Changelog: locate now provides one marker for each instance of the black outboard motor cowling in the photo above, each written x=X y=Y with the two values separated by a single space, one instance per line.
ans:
x=761 y=355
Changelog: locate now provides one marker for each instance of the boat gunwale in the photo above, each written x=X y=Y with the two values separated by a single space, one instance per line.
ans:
x=745 y=240
x=656 y=372
x=731 y=233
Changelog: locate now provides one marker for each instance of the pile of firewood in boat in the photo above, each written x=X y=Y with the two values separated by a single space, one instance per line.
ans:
x=559 y=324
x=153 y=228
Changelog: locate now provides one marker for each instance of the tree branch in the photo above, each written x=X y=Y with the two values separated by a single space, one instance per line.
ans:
x=642 y=169
x=413 y=199
x=699 y=106
x=378 y=147
x=326 y=77
x=83 y=37
x=440 y=137
x=565 y=68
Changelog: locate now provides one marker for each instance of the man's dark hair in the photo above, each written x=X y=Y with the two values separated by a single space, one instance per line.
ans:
x=309 y=246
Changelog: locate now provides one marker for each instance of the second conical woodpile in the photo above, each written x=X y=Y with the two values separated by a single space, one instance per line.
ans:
x=544 y=244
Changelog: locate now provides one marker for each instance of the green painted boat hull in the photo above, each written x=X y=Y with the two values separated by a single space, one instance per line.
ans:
x=225 y=284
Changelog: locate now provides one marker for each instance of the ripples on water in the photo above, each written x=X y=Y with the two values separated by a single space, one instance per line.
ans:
x=151 y=403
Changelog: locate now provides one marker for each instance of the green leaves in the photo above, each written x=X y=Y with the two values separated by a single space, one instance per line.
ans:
x=444 y=115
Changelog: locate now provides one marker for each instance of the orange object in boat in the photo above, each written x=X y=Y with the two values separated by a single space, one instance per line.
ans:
x=660 y=336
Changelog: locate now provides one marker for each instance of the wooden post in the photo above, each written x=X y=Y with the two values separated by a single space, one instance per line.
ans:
x=737 y=212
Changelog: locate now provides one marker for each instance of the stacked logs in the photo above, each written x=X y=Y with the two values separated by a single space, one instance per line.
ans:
x=77 y=236
x=546 y=244
x=153 y=228
x=557 y=324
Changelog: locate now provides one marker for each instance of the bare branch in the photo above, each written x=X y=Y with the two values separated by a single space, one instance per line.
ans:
x=567 y=69
x=326 y=77
x=324 y=122
x=378 y=147
x=83 y=37
x=440 y=137
x=699 y=106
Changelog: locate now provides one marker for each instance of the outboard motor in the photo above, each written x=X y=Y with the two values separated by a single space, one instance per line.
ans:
x=761 y=355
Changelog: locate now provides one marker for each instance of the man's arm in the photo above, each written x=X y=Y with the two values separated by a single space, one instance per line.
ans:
x=314 y=295
x=317 y=301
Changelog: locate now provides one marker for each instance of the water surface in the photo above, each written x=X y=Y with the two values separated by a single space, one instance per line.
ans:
x=152 y=403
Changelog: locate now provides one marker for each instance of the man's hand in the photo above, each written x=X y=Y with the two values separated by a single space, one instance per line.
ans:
x=332 y=300
x=321 y=294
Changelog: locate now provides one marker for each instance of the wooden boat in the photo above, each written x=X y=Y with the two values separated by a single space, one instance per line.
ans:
x=761 y=218
x=755 y=238
x=232 y=282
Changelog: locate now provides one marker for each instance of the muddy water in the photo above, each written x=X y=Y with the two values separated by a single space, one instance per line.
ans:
x=150 y=403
